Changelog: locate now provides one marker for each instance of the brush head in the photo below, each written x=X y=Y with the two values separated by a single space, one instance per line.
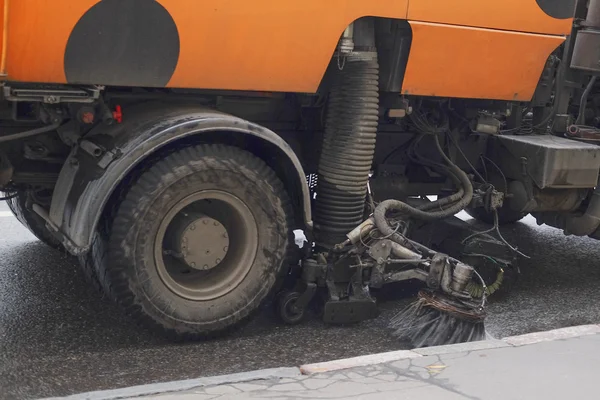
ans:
x=436 y=319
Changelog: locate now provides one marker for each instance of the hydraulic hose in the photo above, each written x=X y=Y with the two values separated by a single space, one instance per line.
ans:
x=396 y=205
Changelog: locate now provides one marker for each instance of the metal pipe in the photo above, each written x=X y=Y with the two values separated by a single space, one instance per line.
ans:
x=584 y=100
x=402 y=252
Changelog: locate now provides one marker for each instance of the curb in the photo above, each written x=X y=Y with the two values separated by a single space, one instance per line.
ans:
x=361 y=361
x=511 y=341
x=189 y=384
x=555 y=334
x=336 y=365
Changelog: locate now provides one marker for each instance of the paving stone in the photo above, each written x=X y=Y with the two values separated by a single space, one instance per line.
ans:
x=287 y=387
x=287 y=380
x=249 y=387
x=353 y=375
x=316 y=383
x=367 y=380
x=337 y=377
x=222 y=389
x=399 y=386
x=348 y=388
x=387 y=377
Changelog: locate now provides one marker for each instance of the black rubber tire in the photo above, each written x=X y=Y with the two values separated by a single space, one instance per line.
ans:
x=20 y=207
x=505 y=215
x=285 y=302
x=123 y=254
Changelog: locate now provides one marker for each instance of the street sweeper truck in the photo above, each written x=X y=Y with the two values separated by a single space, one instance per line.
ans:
x=175 y=146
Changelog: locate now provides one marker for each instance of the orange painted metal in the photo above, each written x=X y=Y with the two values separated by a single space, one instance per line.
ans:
x=455 y=61
x=4 y=29
x=37 y=37
x=267 y=45
x=514 y=15
x=262 y=45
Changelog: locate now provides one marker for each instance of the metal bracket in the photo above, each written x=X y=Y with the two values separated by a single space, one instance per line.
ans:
x=436 y=270
x=53 y=95
x=381 y=251
x=306 y=296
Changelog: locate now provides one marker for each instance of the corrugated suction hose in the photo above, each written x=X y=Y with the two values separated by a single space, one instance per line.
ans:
x=348 y=149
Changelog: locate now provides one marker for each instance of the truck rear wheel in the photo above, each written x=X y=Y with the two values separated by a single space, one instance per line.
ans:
x=198 y=242
x=20 y=205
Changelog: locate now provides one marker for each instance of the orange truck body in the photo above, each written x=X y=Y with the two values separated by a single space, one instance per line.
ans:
x=460 y=48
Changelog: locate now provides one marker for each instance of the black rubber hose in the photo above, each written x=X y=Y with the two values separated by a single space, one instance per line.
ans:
x=29 y=133
x=347 y=152
x=442 y=169
x=396 y=205
x=445 y=201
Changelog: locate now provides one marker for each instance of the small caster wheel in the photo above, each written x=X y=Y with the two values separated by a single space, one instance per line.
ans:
x=287 y=310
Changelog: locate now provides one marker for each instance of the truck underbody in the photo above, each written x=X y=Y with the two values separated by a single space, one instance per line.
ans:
x=181 y=203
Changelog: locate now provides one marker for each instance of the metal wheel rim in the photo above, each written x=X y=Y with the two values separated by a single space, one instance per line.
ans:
x=242 y=228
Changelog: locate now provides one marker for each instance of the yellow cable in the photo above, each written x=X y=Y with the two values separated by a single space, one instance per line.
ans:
x=476 y=289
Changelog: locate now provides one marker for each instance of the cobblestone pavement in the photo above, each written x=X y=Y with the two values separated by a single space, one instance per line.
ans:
x=556 y=369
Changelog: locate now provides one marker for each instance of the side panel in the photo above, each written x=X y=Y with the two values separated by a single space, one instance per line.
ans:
x=536 y=16
x=455 y=61
x=216 y=44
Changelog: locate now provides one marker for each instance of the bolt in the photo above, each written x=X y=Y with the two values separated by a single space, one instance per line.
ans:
x=205 y=221
x=192 y=227
x=216 y=223
x=225 y=248
x=193 y=265
x=218 y=260
x=225 y=235
x=383 y=244
x=87 y=117
x=205 y=266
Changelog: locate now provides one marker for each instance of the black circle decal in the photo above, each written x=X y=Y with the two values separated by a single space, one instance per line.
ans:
x=123 y=43
x=560 y=9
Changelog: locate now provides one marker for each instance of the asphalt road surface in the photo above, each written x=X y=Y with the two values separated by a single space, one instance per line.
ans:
x=59 y=337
